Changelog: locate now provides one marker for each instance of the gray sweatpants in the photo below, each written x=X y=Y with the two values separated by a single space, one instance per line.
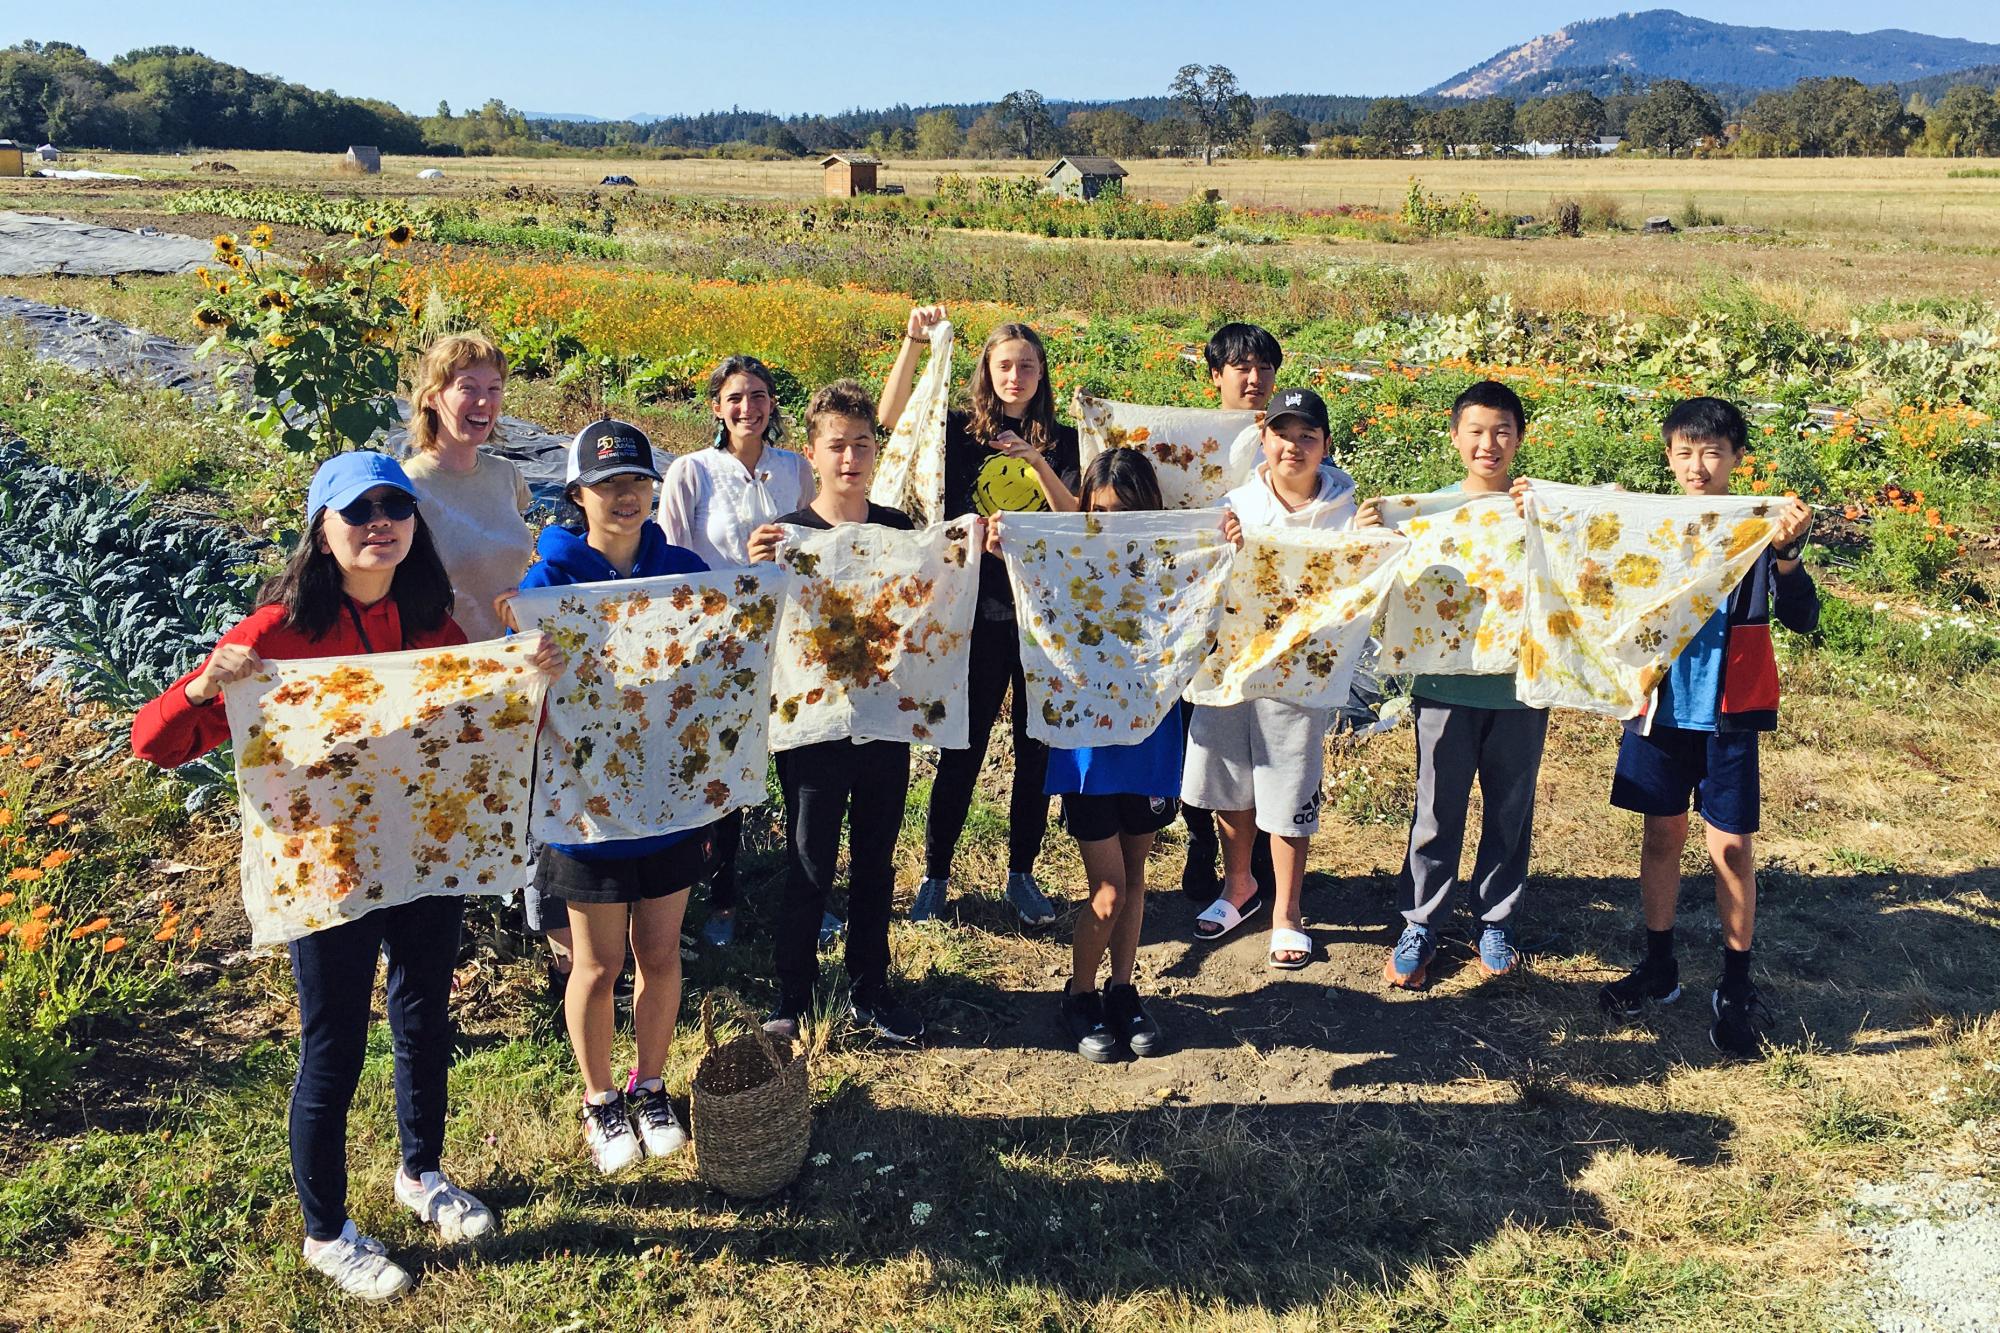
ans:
x=1502 y=747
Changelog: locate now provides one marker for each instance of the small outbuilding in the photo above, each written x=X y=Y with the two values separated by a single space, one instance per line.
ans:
x=849 y=174
x=48 y=152
x=366 y=158
x=10 y=158
x=1082 y=177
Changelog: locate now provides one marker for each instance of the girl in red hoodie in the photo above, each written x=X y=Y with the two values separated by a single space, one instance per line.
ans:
x=365 y=578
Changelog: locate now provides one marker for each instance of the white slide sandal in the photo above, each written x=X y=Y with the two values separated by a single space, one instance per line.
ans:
x=1286 y=940
x=1225 y=916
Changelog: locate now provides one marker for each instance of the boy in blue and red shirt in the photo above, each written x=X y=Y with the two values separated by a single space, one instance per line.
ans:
x=1698 y=738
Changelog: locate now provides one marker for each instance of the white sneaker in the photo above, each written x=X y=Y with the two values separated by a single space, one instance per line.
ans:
x=659 y=1129
x=457 y=1215
x=359 y=1266
x=607 y=1132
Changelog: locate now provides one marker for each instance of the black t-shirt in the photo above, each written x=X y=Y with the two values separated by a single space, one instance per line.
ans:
x=809 y=517
x=979 y=481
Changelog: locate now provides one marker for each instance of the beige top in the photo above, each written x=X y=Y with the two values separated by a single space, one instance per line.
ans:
x=475 y=519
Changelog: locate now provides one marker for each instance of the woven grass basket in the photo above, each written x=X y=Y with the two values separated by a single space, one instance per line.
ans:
x=752 y=1109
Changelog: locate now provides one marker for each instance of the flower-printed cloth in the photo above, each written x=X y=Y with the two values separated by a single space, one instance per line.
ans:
x=661 y=721
x=1296 y=614
x=1189 y=447
x=872 y=639
x=373 y=780
x=909 y=474
x=1116 y=612
x=1460 y=589
x=1618 y=584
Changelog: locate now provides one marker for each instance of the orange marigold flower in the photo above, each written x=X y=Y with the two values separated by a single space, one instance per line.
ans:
x=90 y=927
x=6 y=929
x=59 y=856
x=58 y=819
x=163 y=934
x=43 y=912
x=194 y=936
x=7 y=898
x=114 y=944
x=6 y=818
x=32 y=935
x=32 y=761
x=24 y=875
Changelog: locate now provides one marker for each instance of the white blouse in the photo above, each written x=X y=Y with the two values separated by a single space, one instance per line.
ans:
x=710 y=502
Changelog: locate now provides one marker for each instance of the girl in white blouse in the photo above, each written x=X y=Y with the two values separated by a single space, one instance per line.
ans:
x=710 y=502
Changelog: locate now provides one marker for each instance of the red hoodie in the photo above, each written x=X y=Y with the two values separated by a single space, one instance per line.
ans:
x=173 y=730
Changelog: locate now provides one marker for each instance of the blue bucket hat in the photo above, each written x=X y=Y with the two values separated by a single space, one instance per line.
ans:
x=345 y=478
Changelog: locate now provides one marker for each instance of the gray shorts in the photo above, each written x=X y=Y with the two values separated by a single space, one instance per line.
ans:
x=1264 y=755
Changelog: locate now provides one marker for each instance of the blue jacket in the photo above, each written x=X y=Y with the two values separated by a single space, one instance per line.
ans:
x=567 y=558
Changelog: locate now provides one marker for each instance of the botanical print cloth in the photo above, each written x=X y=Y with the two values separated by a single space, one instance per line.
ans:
x=873 y=635
x=1116 y=612
x=1618 y=584
x=1189 y=447
x=660 y=721
x=909 y=474
x=373 y=780
x=1295 y=615
x=1456 y=605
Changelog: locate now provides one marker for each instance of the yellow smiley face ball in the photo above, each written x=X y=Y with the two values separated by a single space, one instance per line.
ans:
x=1007 y=486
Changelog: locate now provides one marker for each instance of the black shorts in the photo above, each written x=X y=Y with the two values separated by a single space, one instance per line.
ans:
x=1093 y=818
x=630 y=879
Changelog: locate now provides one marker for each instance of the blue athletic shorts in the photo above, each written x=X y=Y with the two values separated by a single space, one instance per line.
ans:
x=1658 y=773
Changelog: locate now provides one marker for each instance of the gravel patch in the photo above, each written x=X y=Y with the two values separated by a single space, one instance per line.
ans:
x=1932 y=1246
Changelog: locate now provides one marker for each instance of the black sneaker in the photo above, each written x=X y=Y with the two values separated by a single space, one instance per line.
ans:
x=1128 y=1021
x=1652 y=982
x=1740 y=1021
x=880 y=1013
x=1083 y=1019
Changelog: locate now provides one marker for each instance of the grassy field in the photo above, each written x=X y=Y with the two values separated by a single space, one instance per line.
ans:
x=1865 y=200
x=1314 y=1152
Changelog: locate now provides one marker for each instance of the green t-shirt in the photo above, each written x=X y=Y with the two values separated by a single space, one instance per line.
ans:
x=1493 y=690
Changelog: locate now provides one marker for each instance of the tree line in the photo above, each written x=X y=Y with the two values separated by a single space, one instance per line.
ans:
x=167 y=97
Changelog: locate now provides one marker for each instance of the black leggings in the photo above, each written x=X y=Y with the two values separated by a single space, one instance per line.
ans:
x=996 y=664
x=824 y=785
x=335 y=970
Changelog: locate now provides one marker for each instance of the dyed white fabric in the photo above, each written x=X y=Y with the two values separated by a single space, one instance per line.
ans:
x=874 y=635
x=1296 y=614
x=1460 y=587
x=374 y=780
x=1115 y=612
x=909 y=473
x=710 y=503
x=1192 y=449
x=1618 y=584
x=660 y=721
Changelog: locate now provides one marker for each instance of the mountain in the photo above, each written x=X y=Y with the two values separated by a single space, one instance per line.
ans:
x=1664 y=44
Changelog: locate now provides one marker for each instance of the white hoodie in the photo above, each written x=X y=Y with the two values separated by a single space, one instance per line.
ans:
x=1258 y=506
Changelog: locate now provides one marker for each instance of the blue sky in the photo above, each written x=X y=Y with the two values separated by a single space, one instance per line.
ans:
x=618 y=57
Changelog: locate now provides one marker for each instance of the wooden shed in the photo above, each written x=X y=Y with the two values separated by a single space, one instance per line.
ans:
x=365 y=158
x=10 y=158
x=849 y=174
x=1081 y=177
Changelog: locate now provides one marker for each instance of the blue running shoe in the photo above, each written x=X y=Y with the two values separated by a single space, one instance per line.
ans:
x=1498 y=954
x=830 y=927
x=1411 y=958
x=930 y=903
x=1028 y=900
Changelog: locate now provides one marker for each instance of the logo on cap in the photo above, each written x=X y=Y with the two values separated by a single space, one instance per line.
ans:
x=1294 y=399
x=611 y=446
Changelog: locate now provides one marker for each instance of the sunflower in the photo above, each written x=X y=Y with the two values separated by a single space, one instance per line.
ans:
x=235 y=261
x=279 y=340
x=378 y=337
x=369 y=226
x=261 y=236
x=273 y=299
x=224 y=246
x=399 y=235
x=210 y=320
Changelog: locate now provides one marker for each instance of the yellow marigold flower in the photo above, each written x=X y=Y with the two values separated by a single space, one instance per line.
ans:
x=261 y=236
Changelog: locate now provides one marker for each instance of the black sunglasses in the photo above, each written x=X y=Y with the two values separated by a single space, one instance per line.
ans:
x=362 y=512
